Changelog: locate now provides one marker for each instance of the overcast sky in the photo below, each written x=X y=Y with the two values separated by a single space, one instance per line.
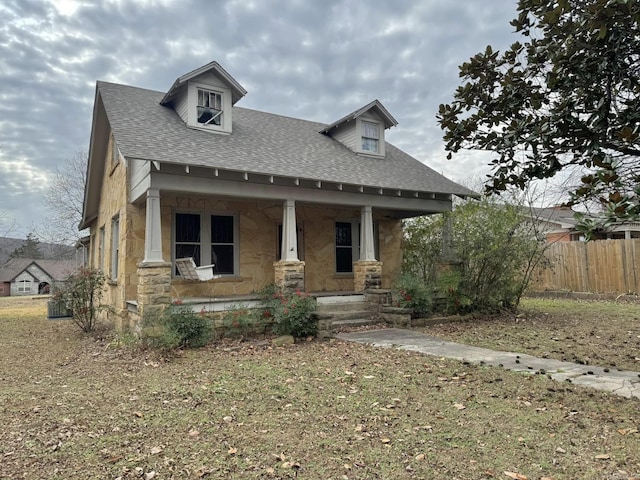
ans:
x=311 y=59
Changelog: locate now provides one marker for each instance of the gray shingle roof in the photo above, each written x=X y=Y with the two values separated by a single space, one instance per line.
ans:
x=261 y=143
x=56 y=269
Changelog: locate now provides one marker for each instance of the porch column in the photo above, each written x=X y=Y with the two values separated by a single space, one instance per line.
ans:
x=154 y=274
x=367 y=272
x=289 y=271
x=153 y=230
x=289 y=251
x=367 y=251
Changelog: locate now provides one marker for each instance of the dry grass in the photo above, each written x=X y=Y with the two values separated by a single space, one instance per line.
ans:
x=75 y=407
x=589 y=332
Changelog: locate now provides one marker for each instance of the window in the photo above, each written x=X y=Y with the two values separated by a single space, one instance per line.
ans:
x=348 y=244
x=101 y=249
x=24 y=286
x=115 y=247
x=344 y=247
x=92 y=245
x=208 y=239
x=209 y=107
x=370 y=137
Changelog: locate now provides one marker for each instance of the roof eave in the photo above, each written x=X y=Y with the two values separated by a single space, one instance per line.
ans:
x=237 y=90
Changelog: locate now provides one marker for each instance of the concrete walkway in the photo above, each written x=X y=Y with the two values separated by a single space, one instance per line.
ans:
x=625 y=384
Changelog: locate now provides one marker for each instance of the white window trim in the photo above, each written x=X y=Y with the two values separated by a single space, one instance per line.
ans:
x=225 y=126
x=22 y=286
x=205 y=238
x=360 y=136
x=115 y=246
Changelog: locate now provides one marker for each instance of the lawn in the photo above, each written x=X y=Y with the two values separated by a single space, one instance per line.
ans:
x=78 y=407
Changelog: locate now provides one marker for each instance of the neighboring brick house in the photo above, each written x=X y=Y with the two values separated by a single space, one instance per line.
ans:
x=186 y=173
x=559 y=225
x=23 y=276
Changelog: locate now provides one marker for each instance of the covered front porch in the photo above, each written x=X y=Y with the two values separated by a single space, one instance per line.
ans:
x=300 y=235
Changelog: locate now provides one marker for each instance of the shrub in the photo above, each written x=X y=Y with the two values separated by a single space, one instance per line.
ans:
x=411 y=292
x=238 y=321
x=448 y=288
x=81 y=293
x=292 y=314
x=177 y=327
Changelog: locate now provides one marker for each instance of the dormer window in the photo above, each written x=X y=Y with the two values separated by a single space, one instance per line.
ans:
x=209 y=108
x=370 y=137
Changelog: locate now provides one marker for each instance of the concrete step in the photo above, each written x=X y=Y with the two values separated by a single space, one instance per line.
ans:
x=347 y=315
x=342 y=306
x=353 y=322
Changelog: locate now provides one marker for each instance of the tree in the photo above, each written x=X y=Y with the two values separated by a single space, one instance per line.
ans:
x=29 y=249
x=568 y=98
x=495 y=248
x=65 y=199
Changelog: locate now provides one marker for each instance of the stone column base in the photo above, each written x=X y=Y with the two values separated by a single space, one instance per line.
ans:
x=367 y=275
x=154 y=288
x=289 y=275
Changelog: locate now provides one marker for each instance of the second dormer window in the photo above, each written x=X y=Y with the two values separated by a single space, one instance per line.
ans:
x=370 y=137
x=209 y=107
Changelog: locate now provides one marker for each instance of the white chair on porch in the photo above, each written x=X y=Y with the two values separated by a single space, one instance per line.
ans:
x=189 y=271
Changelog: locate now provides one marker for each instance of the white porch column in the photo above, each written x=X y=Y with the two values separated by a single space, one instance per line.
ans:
x=289 y=251
x=153 y=229
x=367 y=251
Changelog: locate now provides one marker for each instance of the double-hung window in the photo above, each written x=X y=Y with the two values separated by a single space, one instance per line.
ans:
x=115 y=247
x=101 y=249
x=348 y=244
x=370 y=137
x=209 y=107
x=208 y=239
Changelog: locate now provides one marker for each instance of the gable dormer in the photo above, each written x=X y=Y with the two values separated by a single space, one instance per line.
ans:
x=204 y=98
x=363 y=130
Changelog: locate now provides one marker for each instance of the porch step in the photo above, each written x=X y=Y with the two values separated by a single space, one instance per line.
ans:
x=342 y=307
x=347 y=315
x=354 y=322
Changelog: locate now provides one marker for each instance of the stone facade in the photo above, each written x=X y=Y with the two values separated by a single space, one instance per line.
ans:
x=367 y=275
x=289 y=275
x=154 y=288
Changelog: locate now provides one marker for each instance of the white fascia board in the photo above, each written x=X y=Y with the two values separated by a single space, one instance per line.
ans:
x=230 y=188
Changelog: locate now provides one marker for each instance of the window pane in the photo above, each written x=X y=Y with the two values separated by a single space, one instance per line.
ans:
x=344 y=260
x=187 y=227
x=222 y=257
x=370 y=130
x=221 y=229
x=369 y=144
x=343 y=234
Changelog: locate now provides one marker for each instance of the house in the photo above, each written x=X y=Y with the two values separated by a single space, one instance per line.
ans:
x=559 y=225
x=265 y=198
x=24 y=276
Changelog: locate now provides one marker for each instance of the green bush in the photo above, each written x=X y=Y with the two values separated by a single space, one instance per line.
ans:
x=448 y=288
x=411 y=292
x=177 y=327
x=292 y=314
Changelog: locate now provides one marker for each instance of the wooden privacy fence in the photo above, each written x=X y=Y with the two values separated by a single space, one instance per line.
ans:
x=600 y=266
